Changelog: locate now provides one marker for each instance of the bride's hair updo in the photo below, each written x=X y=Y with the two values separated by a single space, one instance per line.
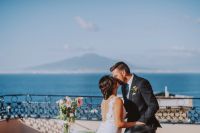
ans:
x=106 y=85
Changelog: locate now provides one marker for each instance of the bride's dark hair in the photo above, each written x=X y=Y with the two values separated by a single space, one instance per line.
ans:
x=106 y=85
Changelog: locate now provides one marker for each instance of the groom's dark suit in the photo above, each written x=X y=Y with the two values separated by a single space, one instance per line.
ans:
x=141 y=104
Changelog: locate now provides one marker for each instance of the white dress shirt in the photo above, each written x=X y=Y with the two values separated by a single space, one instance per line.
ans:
x=129 y=84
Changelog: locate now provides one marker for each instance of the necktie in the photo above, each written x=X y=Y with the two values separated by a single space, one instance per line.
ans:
x=124 y=91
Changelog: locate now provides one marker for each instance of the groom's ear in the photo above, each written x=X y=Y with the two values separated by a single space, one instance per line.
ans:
x=123 y=73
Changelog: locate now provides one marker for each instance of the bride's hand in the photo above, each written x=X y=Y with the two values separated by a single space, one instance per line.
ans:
x=139 y=123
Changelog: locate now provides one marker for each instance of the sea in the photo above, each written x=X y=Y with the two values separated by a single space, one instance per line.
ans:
x=87 y=84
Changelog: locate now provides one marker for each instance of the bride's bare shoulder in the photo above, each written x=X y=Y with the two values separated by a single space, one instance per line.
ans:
x=102 y=102
x=118 y=101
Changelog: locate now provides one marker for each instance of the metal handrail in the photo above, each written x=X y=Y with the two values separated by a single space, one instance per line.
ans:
x=23 y=105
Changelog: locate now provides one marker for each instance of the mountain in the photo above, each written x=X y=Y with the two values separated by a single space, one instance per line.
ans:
x=82 y=64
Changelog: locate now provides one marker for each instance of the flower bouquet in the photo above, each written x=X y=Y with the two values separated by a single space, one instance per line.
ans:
x=67 y=111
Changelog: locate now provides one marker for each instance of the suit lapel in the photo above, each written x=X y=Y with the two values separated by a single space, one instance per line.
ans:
x=133 y=84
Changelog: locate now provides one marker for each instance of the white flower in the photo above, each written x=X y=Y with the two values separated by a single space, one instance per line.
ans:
x=71 y=115
x=68 y=101
x=68 y=98
x=94 y=111
x=8 y=107
x=60 y=102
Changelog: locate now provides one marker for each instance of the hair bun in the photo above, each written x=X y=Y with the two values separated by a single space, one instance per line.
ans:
x=106 y=85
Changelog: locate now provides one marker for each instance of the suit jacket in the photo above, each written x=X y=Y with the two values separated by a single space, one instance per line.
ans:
x=141 y=104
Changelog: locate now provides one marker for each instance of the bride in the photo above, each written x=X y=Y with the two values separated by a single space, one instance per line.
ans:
x=112 y=109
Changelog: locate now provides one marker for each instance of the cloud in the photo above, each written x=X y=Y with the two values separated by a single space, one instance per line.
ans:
x=182 y=50
x=73 y=49
x=175 y=51
x=89 y=26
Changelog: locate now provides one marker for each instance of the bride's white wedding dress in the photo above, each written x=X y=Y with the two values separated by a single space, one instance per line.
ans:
x=108 y=126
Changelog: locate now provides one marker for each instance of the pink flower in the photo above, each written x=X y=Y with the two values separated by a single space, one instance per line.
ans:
x=68 y=104
x=79 y=101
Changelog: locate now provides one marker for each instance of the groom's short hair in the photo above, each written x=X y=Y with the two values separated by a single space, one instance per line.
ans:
x=121 y=66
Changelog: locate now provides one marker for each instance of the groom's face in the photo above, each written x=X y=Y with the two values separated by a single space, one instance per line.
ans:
x=119 y=74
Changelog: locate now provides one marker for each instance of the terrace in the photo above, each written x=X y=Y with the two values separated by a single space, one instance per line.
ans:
x=38 y=113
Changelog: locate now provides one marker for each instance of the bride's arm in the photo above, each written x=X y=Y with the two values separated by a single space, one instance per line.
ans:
x=118 y=115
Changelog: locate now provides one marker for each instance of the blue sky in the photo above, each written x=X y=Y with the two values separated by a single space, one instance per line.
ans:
x=156 y=34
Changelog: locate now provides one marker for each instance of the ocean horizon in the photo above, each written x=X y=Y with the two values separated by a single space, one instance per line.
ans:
x=77 y=84
x=41 y=83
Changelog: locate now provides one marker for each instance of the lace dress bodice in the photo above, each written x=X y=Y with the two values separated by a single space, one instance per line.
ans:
x=108 y=125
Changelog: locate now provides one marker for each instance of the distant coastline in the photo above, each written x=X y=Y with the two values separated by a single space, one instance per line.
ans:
x=90 y=63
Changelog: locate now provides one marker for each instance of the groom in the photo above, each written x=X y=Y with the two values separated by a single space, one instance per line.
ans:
x=139 y=100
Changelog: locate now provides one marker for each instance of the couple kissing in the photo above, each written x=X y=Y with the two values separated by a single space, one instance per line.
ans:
x=136 y=112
